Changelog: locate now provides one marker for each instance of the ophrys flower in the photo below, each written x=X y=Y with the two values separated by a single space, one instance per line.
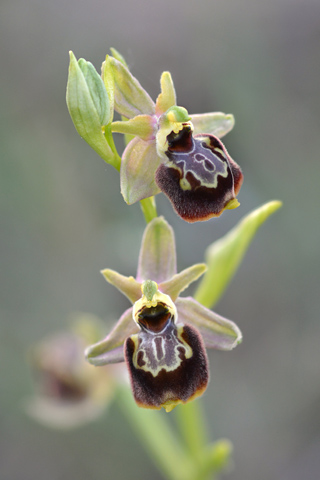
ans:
x=169 y=152
x=162 y=337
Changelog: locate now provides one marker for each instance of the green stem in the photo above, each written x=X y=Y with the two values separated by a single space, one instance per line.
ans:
x=109 y=138
x=192 y=427
x=158 y=438
x=149 y=209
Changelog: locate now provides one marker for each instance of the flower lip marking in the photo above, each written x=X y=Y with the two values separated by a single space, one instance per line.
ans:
x=167 y=369
x=199 y=177
x=164 y=355
x=193 y=157
x=164 y=351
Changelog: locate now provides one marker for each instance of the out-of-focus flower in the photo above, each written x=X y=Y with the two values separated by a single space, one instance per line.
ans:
x=68 y=393
x=162 y=337
x=172 y=151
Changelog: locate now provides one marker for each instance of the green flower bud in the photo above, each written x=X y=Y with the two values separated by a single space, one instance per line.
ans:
x=89 y=106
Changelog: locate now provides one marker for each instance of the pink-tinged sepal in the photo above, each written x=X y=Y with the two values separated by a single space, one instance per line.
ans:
x=199 y=177
x=216 y=331
x=157 y=258
x=130 y=99
x=213 y=123
x=138 y=166
x=167 y=368
x=110 y=349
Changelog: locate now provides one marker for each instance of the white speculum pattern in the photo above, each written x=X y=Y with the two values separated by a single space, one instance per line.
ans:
x=201 y=162
x=156 y=351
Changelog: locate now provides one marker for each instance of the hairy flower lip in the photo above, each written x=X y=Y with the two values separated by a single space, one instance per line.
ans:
x=199 y=177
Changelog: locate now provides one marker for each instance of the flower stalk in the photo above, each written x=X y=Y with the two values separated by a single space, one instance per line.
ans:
x=149 y=208
x=163 y=336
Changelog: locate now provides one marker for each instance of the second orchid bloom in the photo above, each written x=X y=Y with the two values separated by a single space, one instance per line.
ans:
x=163 y=336
x=167 y=149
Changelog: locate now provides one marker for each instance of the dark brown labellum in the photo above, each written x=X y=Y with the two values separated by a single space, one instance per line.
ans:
x=199 y=177
x=167 y=368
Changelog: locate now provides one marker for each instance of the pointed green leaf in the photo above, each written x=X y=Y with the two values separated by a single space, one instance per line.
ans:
x=215 y=123
x=88 y=105
x=157 y=259
x=182 y=280
x=110 y=350
x=138 y=167
x=167 y=97
x=224 y=256
x=141 y=126
x=127 y=285
x=216 y=331
x=129 y=96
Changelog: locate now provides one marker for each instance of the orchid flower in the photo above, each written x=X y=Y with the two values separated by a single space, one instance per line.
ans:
x=168 y=149
x=67 y=391
x=162 y=337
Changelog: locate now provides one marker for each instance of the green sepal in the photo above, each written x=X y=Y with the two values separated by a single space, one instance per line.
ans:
x=130 y=99
x=107 y=78
x=138 y=167
x=89 y=106
x=224 y=256
x=127 y=285
x=215 y=123
x=110 y=350
x=182 y=280
x=167 y=97
x=217 y=332
x=157 y=258
x=117 y=55
x=141 y=126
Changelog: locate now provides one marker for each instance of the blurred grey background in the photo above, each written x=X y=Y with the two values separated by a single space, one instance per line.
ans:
x=63 y=219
